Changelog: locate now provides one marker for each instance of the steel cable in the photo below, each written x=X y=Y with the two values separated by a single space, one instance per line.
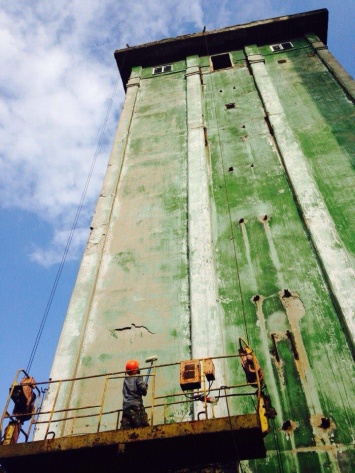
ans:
x=72 y=230
x=228 y=201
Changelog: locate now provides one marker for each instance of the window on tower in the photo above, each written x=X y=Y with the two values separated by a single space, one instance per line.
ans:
x=281 y=46
x=221 y=61
x=161 y=69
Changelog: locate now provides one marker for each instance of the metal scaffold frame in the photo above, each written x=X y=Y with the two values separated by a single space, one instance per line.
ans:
x=205 y=431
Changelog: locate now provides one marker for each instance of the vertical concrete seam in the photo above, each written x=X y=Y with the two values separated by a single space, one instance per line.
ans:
x=187 y=214
x=205 y=310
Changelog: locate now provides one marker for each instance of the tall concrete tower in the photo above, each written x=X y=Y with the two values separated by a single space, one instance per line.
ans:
x=226 y=213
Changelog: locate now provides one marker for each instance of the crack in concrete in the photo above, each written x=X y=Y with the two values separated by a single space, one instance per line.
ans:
x=134 y=326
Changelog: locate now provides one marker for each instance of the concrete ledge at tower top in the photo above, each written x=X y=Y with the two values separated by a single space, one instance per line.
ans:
x=269 y=31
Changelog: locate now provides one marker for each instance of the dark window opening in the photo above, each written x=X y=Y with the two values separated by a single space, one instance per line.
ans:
x=221 y=61
x=286 y=46
x=230 y=105
x=281 y=46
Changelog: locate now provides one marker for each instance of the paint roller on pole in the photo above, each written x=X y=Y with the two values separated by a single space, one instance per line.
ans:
x=150 y=360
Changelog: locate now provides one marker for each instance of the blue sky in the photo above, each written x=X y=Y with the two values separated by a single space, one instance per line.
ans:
x=57 y=78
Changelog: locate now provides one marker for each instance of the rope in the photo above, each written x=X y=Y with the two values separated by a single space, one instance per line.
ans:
x=276 y=440
x=231 y=429
x=228 y=203
x=277 y=447
x=71 y=234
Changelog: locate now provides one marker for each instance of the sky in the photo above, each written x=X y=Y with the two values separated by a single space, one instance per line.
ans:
x=60 y=100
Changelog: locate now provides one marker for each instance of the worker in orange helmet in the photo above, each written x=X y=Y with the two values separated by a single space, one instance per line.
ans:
x=134 y=388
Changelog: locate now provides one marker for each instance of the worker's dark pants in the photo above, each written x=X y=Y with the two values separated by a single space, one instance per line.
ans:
x=134 y=416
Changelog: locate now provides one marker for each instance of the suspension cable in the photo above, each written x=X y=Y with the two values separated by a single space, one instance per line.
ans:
x=239 y=283
x=276 y=440
x=236 y=449
x=72 y=230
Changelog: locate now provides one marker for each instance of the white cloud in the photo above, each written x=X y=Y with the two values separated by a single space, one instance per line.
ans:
x=48 y=256
x=54 y=97
x=56 y=79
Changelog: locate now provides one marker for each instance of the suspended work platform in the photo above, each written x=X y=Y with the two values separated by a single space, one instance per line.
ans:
x=156 y=448
x=88 y=438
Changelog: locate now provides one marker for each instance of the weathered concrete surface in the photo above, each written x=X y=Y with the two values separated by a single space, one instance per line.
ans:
x=225 y=222
x=323 y=232
x=74 y=330
x=271 y=30
x=262 y=247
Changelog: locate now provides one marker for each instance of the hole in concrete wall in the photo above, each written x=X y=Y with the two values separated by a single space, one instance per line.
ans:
x=286 y=425
x=286 y=293
x=230 y=105
x=221 y=90
x=221 y=61
x=252 y=165
x=264 y=218
x=256 y=298
x=281 y=61
x=230 y=169
x=241 y=220
x=325 y=423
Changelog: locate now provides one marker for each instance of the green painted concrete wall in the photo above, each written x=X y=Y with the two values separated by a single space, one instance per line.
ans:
x=207 y=215
x=263 y=246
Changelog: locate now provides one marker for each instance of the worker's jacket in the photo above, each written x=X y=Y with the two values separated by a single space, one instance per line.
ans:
x=133 y=389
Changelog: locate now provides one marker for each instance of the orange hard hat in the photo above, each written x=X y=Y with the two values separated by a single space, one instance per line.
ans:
x=132 y=365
